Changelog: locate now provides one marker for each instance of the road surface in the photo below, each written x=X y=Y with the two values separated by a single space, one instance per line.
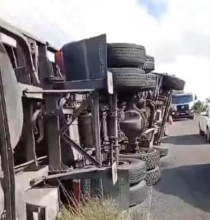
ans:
x=184 y=190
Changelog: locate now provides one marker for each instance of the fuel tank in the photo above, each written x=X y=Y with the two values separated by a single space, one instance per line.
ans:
x=86 y=130
x=132 y=125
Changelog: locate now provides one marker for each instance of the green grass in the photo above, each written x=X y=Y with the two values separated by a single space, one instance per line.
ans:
x=92 y=209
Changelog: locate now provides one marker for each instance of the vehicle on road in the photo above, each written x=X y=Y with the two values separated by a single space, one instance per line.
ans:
x=204 y=122
x=182 y=105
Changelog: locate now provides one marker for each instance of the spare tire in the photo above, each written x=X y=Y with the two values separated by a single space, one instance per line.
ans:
x=125 y=55
x=171 y=82
x=149 y=155
x=138 y=193
x=149 y=65
x=136 y=168
x=132 y=78
x=153 y=176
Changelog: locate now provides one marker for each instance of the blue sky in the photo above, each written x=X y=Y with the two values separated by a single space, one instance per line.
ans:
x=154 y=7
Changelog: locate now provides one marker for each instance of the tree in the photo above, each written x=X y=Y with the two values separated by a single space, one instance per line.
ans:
x=198 y=107
x=208 y=100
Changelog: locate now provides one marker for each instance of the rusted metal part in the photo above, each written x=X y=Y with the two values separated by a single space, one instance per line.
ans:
x=29 y=133
x=86 y=131
x=53 y=131
x=37 y=123
x=81 y=108
x=85 y=173
x=25 y=88
x=97 y=139
x=22 y=41
x=17 y=31
x=151 y=106
x=165 y=116
x=96 y=127
x=23 y=165
x=158 y=87
x=34 y=90
x=113 y=128
x=71 y=143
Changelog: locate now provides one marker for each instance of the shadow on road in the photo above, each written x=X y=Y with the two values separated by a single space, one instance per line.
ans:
x=180 y=119
x=189 y=183
x=190 y=139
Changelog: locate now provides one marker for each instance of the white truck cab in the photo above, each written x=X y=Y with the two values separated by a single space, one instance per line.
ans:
x=182 y=105
x=204 y=122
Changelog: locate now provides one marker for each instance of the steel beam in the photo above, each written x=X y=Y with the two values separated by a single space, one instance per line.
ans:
x=168 y=103
x=81 y=108
x=53 y=129
x=71 y=143
x=96 y=127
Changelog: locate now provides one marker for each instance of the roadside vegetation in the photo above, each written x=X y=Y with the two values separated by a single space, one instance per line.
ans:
x=92 y=209
x=198 y=107
x=201 y=106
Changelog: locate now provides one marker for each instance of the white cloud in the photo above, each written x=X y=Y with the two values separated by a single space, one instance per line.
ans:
x=180 y=40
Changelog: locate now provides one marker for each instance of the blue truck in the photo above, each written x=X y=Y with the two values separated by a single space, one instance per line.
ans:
x=182 y=105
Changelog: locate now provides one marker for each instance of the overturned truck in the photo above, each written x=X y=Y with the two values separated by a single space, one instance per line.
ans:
x=91 y=120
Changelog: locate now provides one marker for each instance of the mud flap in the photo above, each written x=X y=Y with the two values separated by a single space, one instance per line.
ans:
x=86 y=59
x=120 y=192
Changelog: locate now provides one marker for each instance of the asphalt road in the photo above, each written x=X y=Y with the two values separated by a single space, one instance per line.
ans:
x=183 y=192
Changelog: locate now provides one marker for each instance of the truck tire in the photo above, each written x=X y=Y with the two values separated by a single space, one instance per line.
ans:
x=127 y=70
x=135 y=79
x=149 y=65
x=138 y=193
x=125 y=55
x=150 y=156
x=153 y=176
x=171 y=82
x=163 y=150
x=137 y=169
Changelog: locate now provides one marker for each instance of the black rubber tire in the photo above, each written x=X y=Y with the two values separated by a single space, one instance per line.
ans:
x=138 y=193
x=132 y=78
x=137 y=169
x=153 y=176
x=149 y=65
x=171 y=82
x=163 y=150
x=150 y=156
x=125 y=55
x=127 y=70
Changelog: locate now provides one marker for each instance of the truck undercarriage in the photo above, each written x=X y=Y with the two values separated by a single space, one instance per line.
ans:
x=88 y=115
